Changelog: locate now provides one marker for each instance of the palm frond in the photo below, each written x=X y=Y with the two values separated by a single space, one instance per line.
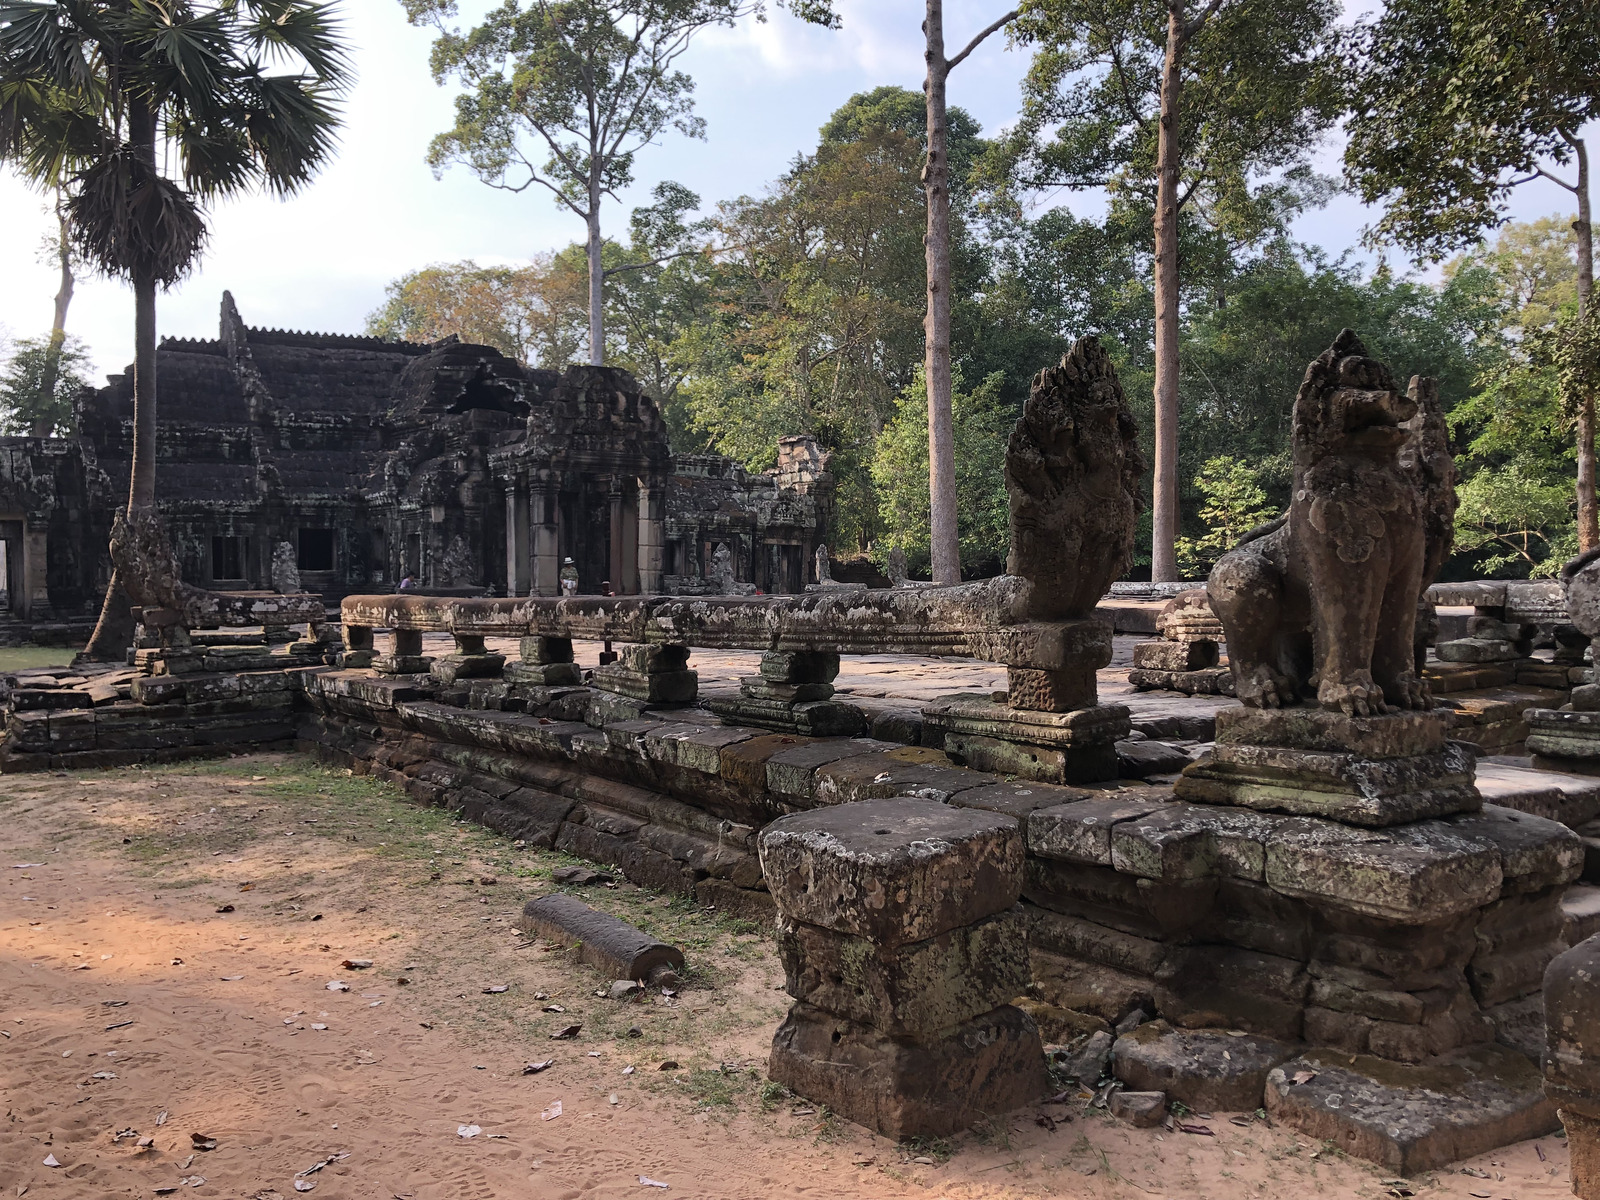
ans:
x=128 y=220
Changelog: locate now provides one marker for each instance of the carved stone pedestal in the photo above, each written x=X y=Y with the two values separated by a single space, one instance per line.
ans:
x=1369 y=771
x=545 y=661
x=406 y=658
x=470 y=661
x=902 y=950
x=1051 y=747
x=793 y=694
x=657 y=675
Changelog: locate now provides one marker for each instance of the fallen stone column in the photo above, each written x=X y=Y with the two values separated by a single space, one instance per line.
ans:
x=612 y=946
x=902 y=950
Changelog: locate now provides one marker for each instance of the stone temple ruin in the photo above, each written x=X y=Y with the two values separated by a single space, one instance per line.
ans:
x=373 y=460
x=1341 y=910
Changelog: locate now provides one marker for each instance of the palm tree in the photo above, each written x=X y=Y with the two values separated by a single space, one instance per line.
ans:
x=103 y=98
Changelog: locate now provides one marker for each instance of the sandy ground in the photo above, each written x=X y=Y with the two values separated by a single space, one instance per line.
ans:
x=167 y=938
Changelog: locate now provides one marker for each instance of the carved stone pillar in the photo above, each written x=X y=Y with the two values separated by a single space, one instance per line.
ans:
x=518 y=577
x=652 y=506
x=546 y=544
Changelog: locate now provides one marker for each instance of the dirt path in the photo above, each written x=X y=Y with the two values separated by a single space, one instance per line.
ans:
x=129 y=1001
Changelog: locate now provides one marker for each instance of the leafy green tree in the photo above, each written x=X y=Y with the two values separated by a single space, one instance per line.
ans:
x=564 y=94
x=1194 y=114
x=1459 y=102
x=981 y=423
x=812 y=324
x=106 y=97
x=537 y=314
x=1507 y=518
x=1234 y=504
x=38 y=384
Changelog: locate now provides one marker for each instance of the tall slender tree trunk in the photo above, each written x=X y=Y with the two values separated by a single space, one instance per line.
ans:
x=1164 y=516
x=597 y=282
x=1588 y=515
x=944 y=536
x=114 y=630
x=58 y=327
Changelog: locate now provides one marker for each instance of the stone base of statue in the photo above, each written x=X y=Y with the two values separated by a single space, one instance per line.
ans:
x=1368 y=771
x=792 y=694
x=1050 y=747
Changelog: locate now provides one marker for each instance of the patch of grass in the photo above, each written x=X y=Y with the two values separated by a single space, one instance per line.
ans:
x=941 y=1150
x=22 y=658
x=774 y=1094
x=716 y=1088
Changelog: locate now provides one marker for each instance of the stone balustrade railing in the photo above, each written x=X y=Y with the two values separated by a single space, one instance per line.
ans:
x=977 y=620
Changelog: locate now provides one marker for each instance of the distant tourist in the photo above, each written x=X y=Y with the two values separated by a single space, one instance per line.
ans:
x=569 y=578
x=407 y=583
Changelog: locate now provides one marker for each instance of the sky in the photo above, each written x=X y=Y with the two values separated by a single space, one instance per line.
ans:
x=320 y=260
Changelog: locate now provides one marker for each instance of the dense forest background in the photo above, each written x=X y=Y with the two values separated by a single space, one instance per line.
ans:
x=800 y=311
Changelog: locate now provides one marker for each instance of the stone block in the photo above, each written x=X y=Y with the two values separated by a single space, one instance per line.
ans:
x=545 y=651
x=1411 y=874
x=1016 y=799
x=903 y=725
x=1393 y=735
x=791 y=770
x=30 y=731
x=806 y=719
x=1056 y=691
x=1410 y=1119
x=757 y=687
x=556 y=674
x=71 y=730
x=799 y=666
x=1583 y=1149
x=1047 y=645
x=1142 y=1110
x=614 y=947
x=453 y=667
x=982 y=1069
x=1078 y=937
x=1572 y=1030
x=157 y=689
x=1088 y=987
x=1477 y=650
x=750 y=904
x=1554 y=734
x=1045 y=764
x=744 y=763
x=1080 y=831
x=1192 y=841
x=1535 y=853
x=916 y=990
x=1206 y=1069
x=1197 y=655
x=654 y=659
x=893 y=871
x=1088 y=1063
x=1145 y=759
x=906 y=771
x=693 y=747
x=1348 y=788
x=1209 y=987
x=653 y=687
x=1459 y=1024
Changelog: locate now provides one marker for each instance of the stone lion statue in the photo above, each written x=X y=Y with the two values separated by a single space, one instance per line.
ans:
x=1326 y=596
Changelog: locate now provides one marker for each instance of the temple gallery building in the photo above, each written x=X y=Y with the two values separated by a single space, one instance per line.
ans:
x=374 y=459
